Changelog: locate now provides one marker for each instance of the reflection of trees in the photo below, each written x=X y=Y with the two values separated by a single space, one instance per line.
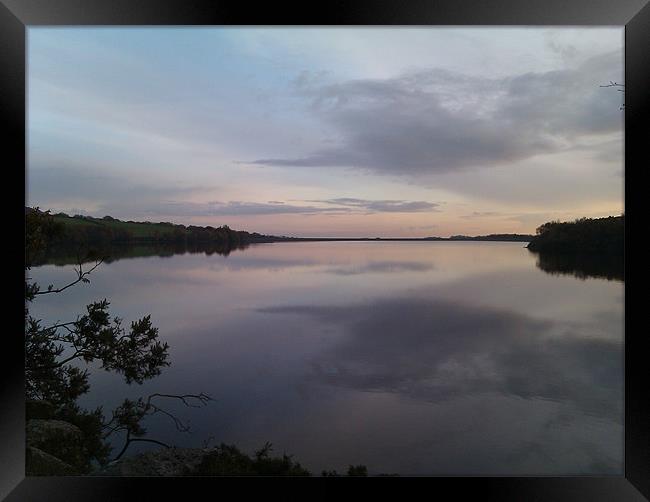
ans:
x=607 y=266
x=585 y=247
x=71 y=255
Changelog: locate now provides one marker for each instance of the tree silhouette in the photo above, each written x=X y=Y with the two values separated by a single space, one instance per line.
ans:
x=54 y=381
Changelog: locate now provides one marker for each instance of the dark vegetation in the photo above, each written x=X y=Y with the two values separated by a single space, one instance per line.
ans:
x=585 y=247
x=87 y=230
x=585 y=235
x=71 y=255
x=63 y=438
x=353 y=471
x=228 y=460
x=84 y=238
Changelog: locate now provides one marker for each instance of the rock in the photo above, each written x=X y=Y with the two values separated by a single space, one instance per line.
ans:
x=40 y=432
x=61 y=439
x=40 y=463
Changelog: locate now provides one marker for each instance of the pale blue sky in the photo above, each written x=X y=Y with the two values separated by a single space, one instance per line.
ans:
x=327 y=131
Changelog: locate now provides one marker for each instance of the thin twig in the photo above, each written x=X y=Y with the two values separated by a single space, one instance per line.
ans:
x=203 y=398
x=81 y=275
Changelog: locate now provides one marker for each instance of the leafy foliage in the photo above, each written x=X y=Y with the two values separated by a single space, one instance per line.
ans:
x=88 y=231
x=50 y=351
x=40 y=231
x=586 y=235
x=583 y=248
x=353 y=471
x=228 y=460
x=357 y=470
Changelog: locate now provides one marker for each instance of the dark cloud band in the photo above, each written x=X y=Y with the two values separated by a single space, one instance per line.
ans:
x=438 y=121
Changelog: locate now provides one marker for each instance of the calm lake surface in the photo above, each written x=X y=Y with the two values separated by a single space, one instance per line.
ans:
x=416 y=358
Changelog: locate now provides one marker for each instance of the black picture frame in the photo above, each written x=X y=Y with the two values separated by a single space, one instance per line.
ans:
x=17 y=15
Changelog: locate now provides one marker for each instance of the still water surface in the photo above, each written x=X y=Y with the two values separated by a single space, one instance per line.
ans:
x=416 y=358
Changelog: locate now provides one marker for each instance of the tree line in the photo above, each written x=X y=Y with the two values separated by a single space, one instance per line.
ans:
x=584 y=235
x=63 y=438
x=584 y=247
x=80 y=229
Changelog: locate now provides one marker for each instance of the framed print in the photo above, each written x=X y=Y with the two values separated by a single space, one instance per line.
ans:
x=359 y=240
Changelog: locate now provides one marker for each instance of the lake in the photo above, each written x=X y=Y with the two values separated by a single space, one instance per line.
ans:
x=415 y=358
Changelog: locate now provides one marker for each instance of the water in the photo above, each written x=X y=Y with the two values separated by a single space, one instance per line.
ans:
x=415 y=358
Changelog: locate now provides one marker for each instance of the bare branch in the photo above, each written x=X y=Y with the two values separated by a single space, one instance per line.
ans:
x=613 y=84
x=203 y=398
x=142 y=408
x=77 y=354
x=61 y=325
x=616 y=84
x=144 y=440
x=126 y=445
x=180 y=426
x=81 y=277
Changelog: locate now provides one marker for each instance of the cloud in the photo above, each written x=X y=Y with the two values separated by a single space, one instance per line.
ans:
x=435 y=121
x=383 y=206
x=332 y=206
x=238 y=208
x=244 y=208
x=113 y=194
x=63 y=187
x=482 y=214
x=422 y=227
x=567 y=52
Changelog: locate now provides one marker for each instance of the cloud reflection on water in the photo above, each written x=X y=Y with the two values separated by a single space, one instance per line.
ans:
x=437 y=350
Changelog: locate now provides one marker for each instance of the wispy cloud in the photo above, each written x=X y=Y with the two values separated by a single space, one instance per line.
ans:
x=482 y=214
x=383 y=206
x=62 y=187
x=239 y=208
x=332 y=206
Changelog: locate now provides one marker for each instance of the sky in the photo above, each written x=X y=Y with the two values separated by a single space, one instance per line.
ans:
x=350 y=132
